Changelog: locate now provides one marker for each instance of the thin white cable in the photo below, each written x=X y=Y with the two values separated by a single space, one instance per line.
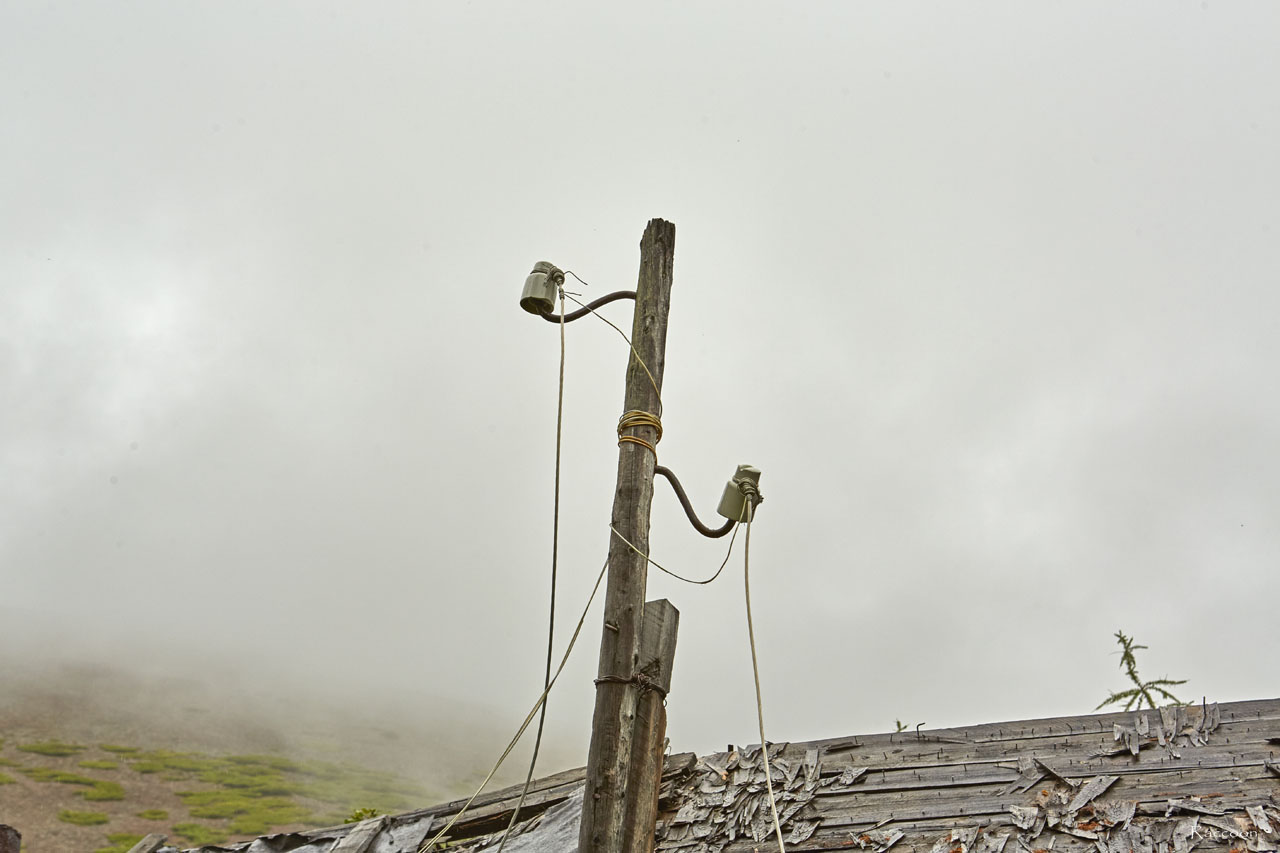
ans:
x=658 y=565
x=551 y=620
x=755 y=671
x=427 y=845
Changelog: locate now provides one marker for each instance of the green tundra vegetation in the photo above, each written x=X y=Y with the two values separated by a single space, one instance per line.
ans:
x=199 y=834
x=120 y=842
x=82 y=818
x=222 y=796
x=52 y=747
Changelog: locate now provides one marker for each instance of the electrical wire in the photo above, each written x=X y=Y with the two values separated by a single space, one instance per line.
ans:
x=755 y=671
x=427 y=845
x=634 y=351
x=551 y=619
x=540 y=706
x=659 y=566
x=637 y=418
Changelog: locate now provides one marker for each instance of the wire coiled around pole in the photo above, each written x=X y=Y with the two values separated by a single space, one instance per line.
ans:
x=637 y=418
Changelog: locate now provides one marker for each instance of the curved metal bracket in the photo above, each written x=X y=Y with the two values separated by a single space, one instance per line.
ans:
x=590 y=306
x=710 y=532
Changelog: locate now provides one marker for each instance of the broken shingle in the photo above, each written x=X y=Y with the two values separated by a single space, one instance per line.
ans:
x=1095 y=786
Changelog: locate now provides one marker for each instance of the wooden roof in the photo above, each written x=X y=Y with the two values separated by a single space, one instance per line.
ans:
x=1202 y=777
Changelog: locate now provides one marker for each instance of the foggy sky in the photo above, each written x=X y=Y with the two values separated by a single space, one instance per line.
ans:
x=989 y=293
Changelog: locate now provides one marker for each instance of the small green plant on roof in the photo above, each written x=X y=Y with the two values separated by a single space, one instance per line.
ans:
x=55 y=748
x=82 y=818
x=361 y=814
x=1141 y=691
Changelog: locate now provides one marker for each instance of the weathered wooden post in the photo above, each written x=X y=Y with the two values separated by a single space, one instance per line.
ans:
x=657 y=653
x=617 y=774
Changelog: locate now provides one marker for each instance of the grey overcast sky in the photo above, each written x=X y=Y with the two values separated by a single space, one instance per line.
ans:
x=987 y=290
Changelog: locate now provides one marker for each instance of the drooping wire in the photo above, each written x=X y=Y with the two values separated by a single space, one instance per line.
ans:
x=635 y=417
x=551 y=619
x=634 y=351
x=427 y=845
x=755 y=671
x=549 y=679
x=660 y=567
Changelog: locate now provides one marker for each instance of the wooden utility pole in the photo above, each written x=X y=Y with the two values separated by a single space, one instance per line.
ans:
x=616 y=775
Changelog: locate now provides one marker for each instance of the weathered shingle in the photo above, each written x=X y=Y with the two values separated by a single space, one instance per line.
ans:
x=1201 y=777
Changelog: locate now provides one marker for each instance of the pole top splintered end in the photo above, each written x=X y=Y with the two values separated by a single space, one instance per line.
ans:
x=540 y=288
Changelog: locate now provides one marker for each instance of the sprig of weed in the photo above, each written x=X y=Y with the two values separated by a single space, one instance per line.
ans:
x=1141 y=691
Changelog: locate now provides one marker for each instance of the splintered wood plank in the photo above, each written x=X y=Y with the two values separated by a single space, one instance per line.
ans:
x=932 y=804
x=1081 y=754
x=1262 y=715
x=922 y=777
x=657 y=656
x=362 y=837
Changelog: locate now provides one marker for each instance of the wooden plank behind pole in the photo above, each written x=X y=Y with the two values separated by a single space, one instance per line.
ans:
x=657 y=654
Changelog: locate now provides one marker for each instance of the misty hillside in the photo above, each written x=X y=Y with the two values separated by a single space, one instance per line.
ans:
x=100 y=748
